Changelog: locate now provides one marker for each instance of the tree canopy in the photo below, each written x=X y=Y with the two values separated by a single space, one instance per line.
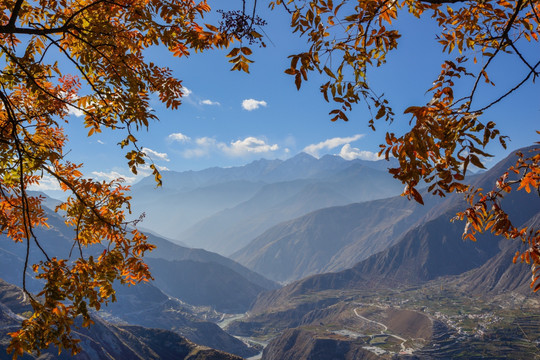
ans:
x=109 y=80
x=102 y=72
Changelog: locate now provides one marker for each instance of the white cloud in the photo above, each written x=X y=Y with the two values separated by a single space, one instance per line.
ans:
x=208 y=102
x=101 y=142
x=178 y=137
x=74 y=111
x=329 y=144
x=113 y=175
x=238 y=148
x=249 y=145
x=154 y=154
x=145 y=169
x=185 y=91
x=204 y=146
x=252 y=104
x=205 y=141
x=46 y=183
x=349 y=153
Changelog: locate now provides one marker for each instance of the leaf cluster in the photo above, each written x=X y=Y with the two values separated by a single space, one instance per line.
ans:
x=485 y=211
x=110 y=82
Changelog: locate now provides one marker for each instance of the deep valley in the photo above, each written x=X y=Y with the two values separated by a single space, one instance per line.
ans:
x=319 y=268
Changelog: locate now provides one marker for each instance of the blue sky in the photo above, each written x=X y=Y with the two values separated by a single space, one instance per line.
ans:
x=231 y=118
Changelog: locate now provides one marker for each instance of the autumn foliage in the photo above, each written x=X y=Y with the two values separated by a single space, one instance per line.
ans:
x=60 y=56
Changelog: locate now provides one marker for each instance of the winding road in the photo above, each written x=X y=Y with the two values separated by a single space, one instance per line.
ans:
x=384 y=331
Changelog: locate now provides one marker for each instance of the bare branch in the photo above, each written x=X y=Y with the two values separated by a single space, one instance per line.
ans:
x=504 y=37
x=533 y=71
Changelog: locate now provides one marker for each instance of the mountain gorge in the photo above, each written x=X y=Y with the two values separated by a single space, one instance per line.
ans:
x=367 y=274
x=190 y=280
x=429 y=269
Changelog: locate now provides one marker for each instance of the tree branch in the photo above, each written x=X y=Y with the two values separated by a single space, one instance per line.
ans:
x=6 y=29
x=504 y=37
x=533 y=71
x=15 y=14
x=10 y=27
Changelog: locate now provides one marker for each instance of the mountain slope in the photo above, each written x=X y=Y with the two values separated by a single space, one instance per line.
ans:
x=432 y=249
x=330 y=239
x=500 y=274
x=204 y=284
x=172 y=252
x=104 y=340
x=58 y=240
x=232 y=229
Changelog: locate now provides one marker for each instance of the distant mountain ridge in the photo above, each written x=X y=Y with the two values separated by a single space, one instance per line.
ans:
x=301 y=166
x=229 y=230
x=192 y=204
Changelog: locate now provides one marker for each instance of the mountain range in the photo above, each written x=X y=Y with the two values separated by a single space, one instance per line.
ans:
x=430 y=248
x=193 y=278
x=367 y=274
x=222 y=210
x=478 y=303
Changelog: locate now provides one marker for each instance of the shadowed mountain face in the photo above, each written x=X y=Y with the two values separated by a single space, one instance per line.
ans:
x=200 y=284
x=500 y=274
x=104 y=340
x=330 y=239
x=167 y=250
x=430 y=249
x=299 y=344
